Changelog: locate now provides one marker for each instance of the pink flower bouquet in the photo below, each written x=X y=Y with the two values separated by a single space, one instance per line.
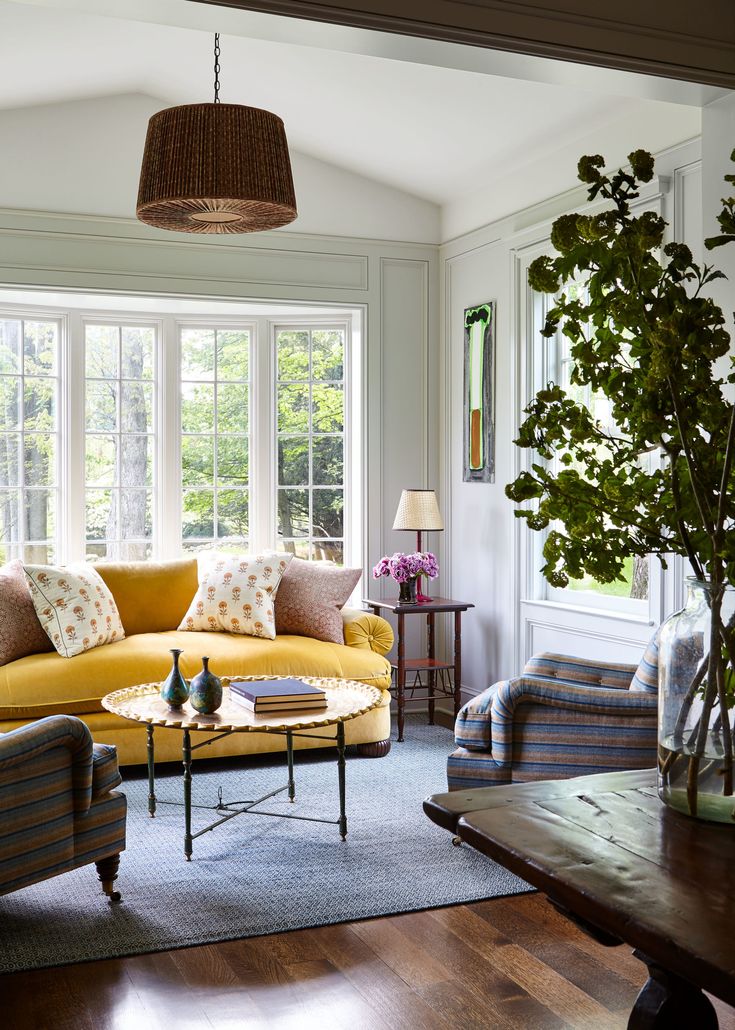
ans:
x=403 y=567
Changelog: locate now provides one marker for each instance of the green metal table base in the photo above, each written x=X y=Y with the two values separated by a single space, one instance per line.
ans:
x=234 y=808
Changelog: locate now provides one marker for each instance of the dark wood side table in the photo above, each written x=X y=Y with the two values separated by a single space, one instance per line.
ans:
x=428 y=664
x=625 y=868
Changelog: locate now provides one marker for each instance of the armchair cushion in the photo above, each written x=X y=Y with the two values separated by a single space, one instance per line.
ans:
x=645 y=678
x=568 y=669
x=105 y=773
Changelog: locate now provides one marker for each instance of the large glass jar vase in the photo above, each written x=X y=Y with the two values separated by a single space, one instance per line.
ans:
x=697 y=705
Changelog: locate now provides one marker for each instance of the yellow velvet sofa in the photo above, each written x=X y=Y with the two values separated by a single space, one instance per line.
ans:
x=152 y=599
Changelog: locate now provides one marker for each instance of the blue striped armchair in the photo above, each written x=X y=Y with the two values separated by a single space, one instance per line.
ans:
x=561 y=717
x=58 y=806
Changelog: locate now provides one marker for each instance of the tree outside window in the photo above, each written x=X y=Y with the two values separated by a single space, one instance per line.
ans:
x=29 y=358
x=310 y=393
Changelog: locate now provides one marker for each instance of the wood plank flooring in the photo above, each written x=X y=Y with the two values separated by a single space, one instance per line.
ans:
x=509 y=963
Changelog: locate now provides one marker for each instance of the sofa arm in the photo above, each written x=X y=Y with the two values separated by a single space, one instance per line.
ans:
x=368 y=631
x=631 y=708
x=472 y=725
x=19 y=750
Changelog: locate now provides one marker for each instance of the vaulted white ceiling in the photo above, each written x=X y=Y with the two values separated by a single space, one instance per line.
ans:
x=441 y=133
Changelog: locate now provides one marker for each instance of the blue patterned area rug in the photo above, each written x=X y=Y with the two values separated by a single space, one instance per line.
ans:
x=258 y=875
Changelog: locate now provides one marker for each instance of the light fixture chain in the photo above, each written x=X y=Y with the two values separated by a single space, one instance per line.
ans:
x=216 y=67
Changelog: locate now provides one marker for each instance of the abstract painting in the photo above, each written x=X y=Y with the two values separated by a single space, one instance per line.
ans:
x=479 y=393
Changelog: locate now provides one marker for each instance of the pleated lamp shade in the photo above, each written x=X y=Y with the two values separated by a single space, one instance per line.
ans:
x=418 y=510
x=216 y=168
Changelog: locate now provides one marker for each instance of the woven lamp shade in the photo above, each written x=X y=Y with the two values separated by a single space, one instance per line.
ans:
x=418 y=510
x=216 y=168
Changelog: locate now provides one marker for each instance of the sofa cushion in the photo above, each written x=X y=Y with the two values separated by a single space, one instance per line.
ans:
x=44 y=684
x=236 y=595
x=151 y=596
x=74 y=606
x=310 y=598
x=21 y=633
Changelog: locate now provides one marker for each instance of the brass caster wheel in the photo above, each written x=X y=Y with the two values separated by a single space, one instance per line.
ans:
x=114 y=897
x=457 y=842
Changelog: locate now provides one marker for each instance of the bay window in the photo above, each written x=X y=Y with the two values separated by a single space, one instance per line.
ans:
x=126 y=437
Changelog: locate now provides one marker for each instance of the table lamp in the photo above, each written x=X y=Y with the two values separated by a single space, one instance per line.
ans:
x=418 y=512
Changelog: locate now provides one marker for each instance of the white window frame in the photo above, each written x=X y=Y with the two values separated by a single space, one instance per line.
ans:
x=167 y=488
x=256 y=446
x=351 y=395
x=122 y=320
x=22 y=313
x=540 y=366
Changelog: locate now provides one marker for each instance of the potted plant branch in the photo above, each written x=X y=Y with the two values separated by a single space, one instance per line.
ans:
x=645 y=335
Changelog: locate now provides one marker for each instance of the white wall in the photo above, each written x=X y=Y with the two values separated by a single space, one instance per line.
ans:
x=485 y=543
x=83 y=157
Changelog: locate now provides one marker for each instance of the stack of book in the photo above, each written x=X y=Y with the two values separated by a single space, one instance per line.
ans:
x=264 y=697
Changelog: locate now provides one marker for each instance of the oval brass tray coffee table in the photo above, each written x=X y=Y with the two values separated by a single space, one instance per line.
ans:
x=346 y=699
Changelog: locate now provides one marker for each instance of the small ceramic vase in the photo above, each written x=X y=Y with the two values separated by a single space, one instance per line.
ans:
x=174 y=690
x=205 y=691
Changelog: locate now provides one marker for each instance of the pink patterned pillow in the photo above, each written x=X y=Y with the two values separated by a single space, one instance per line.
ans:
x=21 y=633
x=311 y=597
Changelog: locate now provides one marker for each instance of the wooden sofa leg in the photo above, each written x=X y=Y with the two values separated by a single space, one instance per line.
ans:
x=376 y=749
x=107 y=872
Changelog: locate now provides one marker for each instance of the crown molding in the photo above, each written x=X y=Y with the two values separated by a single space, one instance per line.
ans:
x=637 y=36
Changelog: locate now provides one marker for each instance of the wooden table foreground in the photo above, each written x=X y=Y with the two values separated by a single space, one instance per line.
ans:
x=628 y=870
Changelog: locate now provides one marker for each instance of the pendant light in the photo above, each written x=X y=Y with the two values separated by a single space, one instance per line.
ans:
x=216 y=168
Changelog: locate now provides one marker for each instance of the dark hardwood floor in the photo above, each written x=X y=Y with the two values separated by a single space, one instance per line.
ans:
x=509 y=963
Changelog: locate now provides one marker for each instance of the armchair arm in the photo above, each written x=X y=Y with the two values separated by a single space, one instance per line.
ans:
x=19 y=750
x=368 y=631
x=595 y=682
x=638 y=708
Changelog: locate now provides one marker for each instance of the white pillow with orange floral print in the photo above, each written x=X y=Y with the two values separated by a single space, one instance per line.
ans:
x=236 y=595
x=75 y=607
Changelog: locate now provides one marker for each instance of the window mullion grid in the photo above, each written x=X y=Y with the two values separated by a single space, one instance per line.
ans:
x=310 y=485
x=215 y=445
x=117 y=494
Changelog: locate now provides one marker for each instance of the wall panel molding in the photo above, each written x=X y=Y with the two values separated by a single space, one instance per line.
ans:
x=637 y=35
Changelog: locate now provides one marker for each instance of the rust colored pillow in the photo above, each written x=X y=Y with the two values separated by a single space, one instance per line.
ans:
x=21 y=633
x=310 y=598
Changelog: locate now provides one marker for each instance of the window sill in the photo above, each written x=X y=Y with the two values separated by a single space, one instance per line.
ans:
x=578 y=609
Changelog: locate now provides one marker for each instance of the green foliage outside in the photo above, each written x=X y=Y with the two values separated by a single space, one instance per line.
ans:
x=28 y=451
x=310 y=427
x=311 y=423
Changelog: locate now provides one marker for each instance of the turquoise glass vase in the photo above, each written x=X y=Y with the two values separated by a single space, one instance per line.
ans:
x=174 y=690
x=205 y=690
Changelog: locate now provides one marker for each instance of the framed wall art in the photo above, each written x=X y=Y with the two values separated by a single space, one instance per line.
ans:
x=479 y=393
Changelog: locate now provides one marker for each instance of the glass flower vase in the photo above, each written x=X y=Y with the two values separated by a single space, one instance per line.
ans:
x=697 y=706
x=407 y=590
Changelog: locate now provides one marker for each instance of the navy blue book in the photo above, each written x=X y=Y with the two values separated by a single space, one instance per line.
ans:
x=264 y=693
